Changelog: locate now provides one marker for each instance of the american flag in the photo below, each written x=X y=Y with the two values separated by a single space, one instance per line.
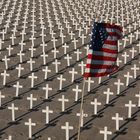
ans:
x=102 y=55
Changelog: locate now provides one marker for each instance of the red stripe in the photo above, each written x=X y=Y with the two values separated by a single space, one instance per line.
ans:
x=110 y=42
x=99 y=74
x=107 y=25
x=114 y=34
x=95 y=75
x=97 y=66
x=97 y=57
x=109 y=50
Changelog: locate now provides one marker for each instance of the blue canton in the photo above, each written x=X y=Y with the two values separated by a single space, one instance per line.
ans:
x=99 y=35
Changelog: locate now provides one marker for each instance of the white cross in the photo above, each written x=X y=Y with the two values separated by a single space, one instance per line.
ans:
x=31 y=62
x=105 y=132
x=139 y=46
x=71 y=35
x=130 y=105
x=55 y=52
x=47 y=112
x=12 y=38
x=89 y=81
x=21 y=45
x=128 y=76
x=82 y=65
x=77 y=90
x=68 y=59
x=31 y=99
x=73 y=72
x=56 y=63
x=125 y=55
x=95 y=103
x=135 y=25
x=1 y=42
x=30 y=124
x=80 y=30
x=118 y=61
x=82 y=115
x=43 y=45
x=20 y=55
x=32 y=39
x=83 y=38
x=32 y=49
x=52 y=33
x=129 y=27
x=4 y=74
x=9 y=50
x=118 y=83
x=117 y=119
x=5 y=59
x=62 y=37
x=13 y=108
x=54 y=42
x=99 y=80
x=137 y=34
x=46 y=90
x=135 y=68
x=133 y=51
x=63 y=100
x=75 y=41
x=125 y=40
x=138 y=96
x=17 y=86
x=78 y=53
x=19 y=68
x=67 y=128
x=86 y=28
x=32 y=79
x=65 y=46
x=1 y=97
x=3 y=34
x=108 y=93
x=23 y=33
x=46 y=70
x=44 y=57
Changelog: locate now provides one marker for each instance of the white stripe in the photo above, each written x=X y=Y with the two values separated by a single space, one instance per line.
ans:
x=111 y=47
x=112 y=38
x=89 y=70
x=100 y=62
x=98 y=53
x=114 y=30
